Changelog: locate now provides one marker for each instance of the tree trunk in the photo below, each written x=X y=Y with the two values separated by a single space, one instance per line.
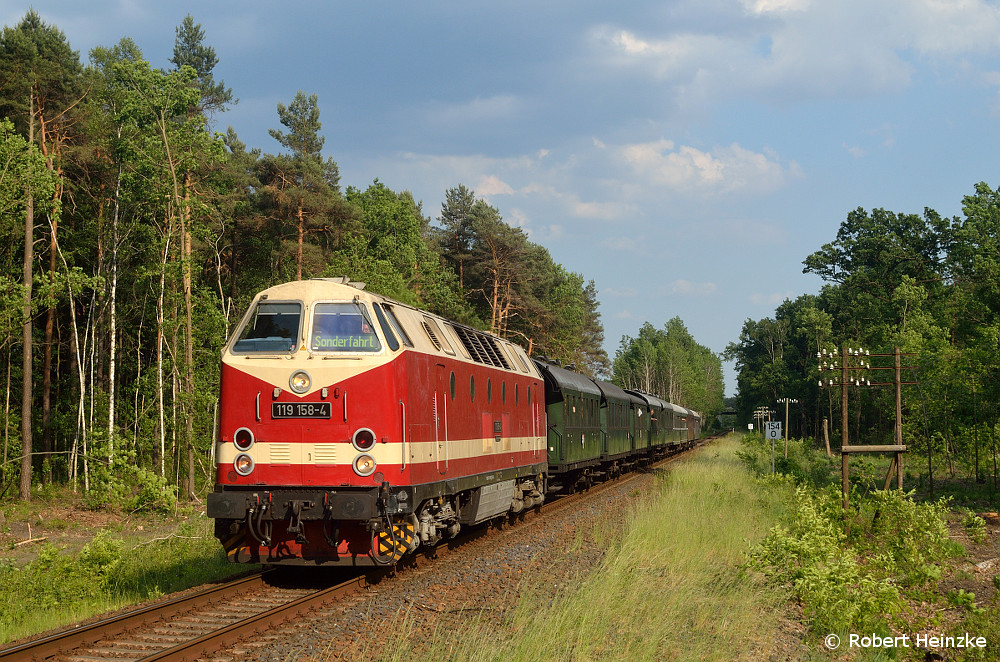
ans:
x=24 y=487
x=826 y=437
x=298 y=254
x=6 y=414
x=113 y=332
x=189 y=338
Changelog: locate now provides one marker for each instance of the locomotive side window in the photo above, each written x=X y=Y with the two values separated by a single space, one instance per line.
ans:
x=397 y=325
x=272 y=328
x=390 y=337
x=343 y=327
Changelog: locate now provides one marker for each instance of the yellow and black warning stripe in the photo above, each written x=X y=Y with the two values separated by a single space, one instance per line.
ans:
x=394 y=543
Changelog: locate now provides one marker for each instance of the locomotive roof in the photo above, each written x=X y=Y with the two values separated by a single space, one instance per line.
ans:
x=440 y=336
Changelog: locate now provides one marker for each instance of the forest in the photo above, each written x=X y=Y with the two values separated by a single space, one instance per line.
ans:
x=137 y=236
x=924 y=284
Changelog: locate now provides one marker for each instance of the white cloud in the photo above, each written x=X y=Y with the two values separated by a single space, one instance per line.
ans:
x=775 y=6
x=856 y=152
x=729 y=168
x=793 y=50
x=493 y=185
x=687 y=288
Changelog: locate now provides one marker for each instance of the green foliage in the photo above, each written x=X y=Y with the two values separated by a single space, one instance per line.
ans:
x=975 y=526
x=905 y=539
x=516 y=288
x=107 y=573
x=848 y=583
x=838 y=593
x=670 y=363
x=964 y=599
x=131 y=489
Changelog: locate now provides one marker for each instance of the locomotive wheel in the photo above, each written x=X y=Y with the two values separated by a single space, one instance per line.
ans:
x=394 y=543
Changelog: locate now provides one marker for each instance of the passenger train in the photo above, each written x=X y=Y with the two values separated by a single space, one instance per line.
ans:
x=355 y=429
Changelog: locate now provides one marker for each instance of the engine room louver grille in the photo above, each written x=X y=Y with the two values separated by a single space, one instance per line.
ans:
x=482 y=348
x=433 y=336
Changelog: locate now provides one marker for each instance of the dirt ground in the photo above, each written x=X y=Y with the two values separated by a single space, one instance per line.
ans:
x=67 y=523
x=975 y=573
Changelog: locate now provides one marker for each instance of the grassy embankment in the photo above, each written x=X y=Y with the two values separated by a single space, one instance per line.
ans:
x=113 y=570
x=721 y=560
x=670 y=585
x=891 y=567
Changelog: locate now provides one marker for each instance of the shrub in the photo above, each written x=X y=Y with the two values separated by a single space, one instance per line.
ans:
x=837 y=593
x=906 y=539
x=975 y=527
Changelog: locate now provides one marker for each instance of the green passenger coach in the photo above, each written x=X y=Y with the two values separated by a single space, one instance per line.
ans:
x=572 y=402
x=617 y=422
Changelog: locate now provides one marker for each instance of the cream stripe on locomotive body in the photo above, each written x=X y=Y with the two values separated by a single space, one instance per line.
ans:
x=346 y=418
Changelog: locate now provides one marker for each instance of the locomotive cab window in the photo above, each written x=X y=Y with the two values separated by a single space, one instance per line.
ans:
x=272 y=328
x=343 y=327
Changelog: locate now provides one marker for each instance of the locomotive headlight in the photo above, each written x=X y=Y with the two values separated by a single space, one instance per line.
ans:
x=364 y=465
x=300 y=381
x=243 y=464
x=363 y=439
x=243 y=439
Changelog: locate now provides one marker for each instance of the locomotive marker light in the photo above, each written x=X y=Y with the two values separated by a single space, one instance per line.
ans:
x=243 y=464
x=364 y=465
x=363 y=439
x=300 y=381
x=243 y=439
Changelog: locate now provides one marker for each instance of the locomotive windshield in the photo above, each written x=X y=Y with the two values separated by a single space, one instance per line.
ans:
x=272 y=328
x=343 y=327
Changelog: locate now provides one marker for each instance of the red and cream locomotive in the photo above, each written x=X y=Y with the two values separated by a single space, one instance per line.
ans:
x=354 y=428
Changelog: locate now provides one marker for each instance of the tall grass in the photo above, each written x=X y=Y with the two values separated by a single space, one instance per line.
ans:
x=669 y=588
x=109 y=573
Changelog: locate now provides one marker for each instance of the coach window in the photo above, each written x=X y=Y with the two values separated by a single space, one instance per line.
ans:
x=272 y=328
x=451 y=383
x=489 y=390
x=517 y=395
x=503 y=392
x=343 y=327
x=472 y=388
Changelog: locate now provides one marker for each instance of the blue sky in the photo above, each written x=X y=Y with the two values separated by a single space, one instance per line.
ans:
x=686 y=155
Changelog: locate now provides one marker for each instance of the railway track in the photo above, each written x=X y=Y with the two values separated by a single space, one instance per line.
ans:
x=191 y=627
x=185 y=628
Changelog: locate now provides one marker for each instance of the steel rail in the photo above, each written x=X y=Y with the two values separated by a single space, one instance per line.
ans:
x=79 y=637
x=204 y=645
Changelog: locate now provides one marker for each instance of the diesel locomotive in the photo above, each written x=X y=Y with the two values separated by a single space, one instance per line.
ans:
x=355 y=429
